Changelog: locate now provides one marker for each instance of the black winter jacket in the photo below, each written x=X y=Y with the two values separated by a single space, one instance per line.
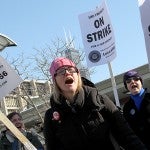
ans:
x=139 y=120
x=5 y=143
x=86 y=124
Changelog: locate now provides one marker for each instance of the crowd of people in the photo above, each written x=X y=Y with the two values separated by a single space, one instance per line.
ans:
x=80 y=118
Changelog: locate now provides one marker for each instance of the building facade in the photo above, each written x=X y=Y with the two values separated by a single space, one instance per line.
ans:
x=28 y=99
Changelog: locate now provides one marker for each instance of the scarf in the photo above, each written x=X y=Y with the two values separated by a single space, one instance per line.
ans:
x=138 y=98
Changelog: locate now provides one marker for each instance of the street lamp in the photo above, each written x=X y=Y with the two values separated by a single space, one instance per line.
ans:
x=6 y=42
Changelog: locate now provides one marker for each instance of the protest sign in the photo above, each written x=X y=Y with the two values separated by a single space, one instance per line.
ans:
x=144 y=6
x=9 y=79
x=97 y=36
x=98 y=40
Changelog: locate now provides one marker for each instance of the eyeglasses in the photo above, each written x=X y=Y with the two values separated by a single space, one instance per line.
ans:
x=133 y=78
x=62 y=71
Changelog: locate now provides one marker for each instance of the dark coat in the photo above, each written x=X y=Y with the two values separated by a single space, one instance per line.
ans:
x=86 y=124
x=139 y=120
x=5 y=144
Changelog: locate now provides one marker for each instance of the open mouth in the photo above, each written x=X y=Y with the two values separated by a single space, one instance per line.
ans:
x=19 y=126
x=69 y=81
x=134 y=86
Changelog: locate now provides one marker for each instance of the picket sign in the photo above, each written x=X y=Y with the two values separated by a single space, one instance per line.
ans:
x=99 y=40
x=16 y=132
x=144 y=7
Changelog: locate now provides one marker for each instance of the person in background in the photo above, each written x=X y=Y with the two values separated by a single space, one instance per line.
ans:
x=137 y=109
x=8 y=141
x=80 y=118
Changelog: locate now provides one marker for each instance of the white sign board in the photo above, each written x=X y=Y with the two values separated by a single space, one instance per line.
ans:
x=98 y=36
x=9 y=79
x=144 y=6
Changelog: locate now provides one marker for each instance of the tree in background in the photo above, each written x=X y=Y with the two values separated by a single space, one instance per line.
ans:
x=37 y=67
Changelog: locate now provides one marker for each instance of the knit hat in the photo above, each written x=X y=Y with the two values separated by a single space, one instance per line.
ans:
x=60 y=62
x=130 y=74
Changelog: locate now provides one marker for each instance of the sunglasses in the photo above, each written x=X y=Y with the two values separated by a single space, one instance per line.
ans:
x=62 y=71
x=133 y=78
